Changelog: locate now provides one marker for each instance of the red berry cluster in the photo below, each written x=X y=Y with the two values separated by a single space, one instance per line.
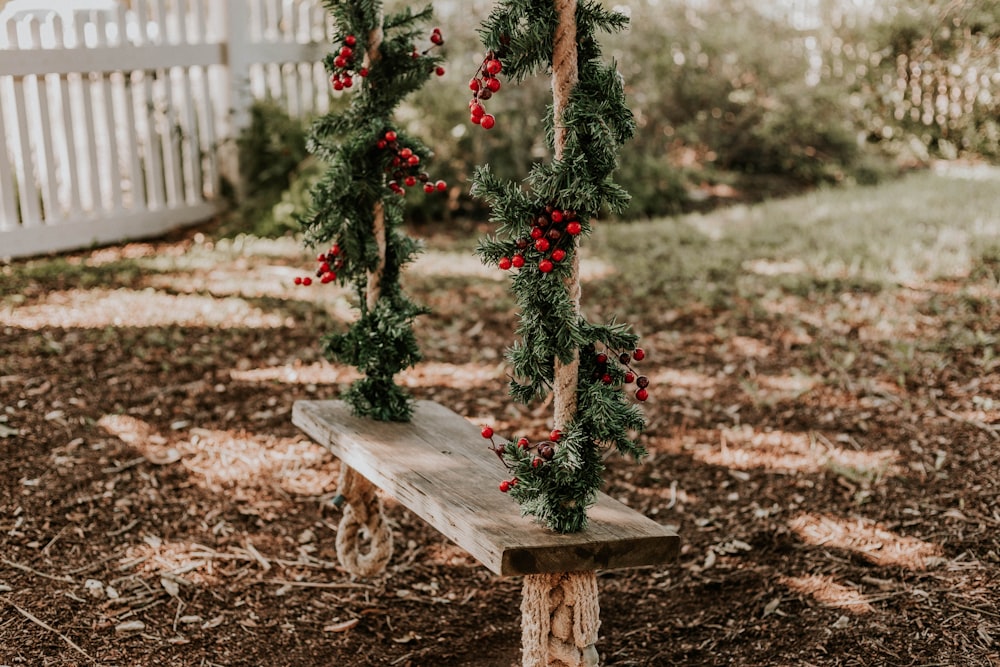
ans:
x=544 y=452
x=404 y=166
x=329 y=263
x=343 y=65
x=551 y=234
x=483 y=85
x=437 y=39
x=625 y=359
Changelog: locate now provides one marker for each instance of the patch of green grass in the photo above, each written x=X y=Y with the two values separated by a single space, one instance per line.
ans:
x=926 y=226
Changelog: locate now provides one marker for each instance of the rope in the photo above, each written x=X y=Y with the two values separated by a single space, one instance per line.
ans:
x=363 y=520
x=565 y=74
x=374 y=290
x=560 y=617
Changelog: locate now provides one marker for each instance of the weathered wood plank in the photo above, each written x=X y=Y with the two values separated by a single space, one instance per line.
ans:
x=440 y=468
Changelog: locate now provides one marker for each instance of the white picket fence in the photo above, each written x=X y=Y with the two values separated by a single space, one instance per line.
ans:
x=115 y=120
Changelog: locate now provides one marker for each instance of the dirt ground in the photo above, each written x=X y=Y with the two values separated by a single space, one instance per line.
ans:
x=829 y=462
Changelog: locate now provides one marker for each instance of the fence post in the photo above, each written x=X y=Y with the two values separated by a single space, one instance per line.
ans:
x=233 y=31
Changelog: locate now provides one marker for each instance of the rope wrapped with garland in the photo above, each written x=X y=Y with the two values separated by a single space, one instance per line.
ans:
x=539 y=228
x=357 y=206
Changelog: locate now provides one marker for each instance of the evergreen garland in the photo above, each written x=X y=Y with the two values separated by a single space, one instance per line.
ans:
x=538 y=232
x=357 y=208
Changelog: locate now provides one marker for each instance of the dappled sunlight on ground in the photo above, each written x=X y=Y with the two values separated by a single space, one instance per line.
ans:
x=790 y=452
x=100 y=308
x=229 y=459
x=424 y=374
x=866 y=539
x=825 y=590
x=437 y=263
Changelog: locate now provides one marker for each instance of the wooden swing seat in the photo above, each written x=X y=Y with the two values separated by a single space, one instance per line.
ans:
x=439 y=467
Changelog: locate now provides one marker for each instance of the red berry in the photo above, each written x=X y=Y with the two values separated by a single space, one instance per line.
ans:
x=338 y=84
x=477 y=110
x=523 y=443
x=541 y=245
x=555 y=435
x=488 y=122
x=328 y=277
x=307 y=281
x=629 y=377
x=381 y=144
x=573 y=228
x=428 y=188
x=406 y=152
x=350 y=40
x=363 y=72
x=517 y=261
x=335 y=250
x=413 y=160
x=505 y=263
x=340 y=62
x=641 y=394
x=390 y=136
x=505 y=486
x=638 y=354
x=439 y=71
x=602 y=358
x=535 y=462
x=475 y=120
x=493 y=66
x=493 y=84
x=410 y=181
x=348 y=82
x=545 y=266
x=437 y=38
x=558 y=255
x=346 y=52
x=537 y=233
x=557 y=216
x=487 y=432
x=606 y=378
x=298 y=280
x=441 y=186
x=474 y=85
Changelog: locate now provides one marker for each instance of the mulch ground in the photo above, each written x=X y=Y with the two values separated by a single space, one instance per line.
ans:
x=828 y=461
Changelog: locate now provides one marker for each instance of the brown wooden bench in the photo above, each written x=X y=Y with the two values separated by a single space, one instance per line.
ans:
x=438 y=467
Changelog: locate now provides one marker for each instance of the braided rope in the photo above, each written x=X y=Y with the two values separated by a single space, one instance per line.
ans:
x=560 y=617
x=363 y=520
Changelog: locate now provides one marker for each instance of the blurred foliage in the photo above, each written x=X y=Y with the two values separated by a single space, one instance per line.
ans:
x=735 y=101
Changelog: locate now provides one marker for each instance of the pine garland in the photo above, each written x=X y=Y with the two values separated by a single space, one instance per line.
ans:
x=538 y=233
x=357 y=208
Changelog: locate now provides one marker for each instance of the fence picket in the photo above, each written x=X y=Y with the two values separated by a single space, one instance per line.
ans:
x=46 y=165
x=71 y=167
x=90 y=131
x=27 y=186
x=104 y=84
x=8 y=191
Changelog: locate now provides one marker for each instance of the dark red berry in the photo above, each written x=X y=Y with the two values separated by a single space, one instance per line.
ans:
x=602 y=358
x=642 y=382
x=546 y=452
x=363 y=72
x=439 y=71
x=606 y=378
x=624 y=357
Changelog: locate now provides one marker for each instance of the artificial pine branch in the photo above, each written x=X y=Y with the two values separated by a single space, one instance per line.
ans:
x=539 y=226
x=356 y=206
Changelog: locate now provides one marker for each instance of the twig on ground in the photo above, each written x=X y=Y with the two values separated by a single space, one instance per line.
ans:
x=316 y=584
x=39 y=622
x=25 y=568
